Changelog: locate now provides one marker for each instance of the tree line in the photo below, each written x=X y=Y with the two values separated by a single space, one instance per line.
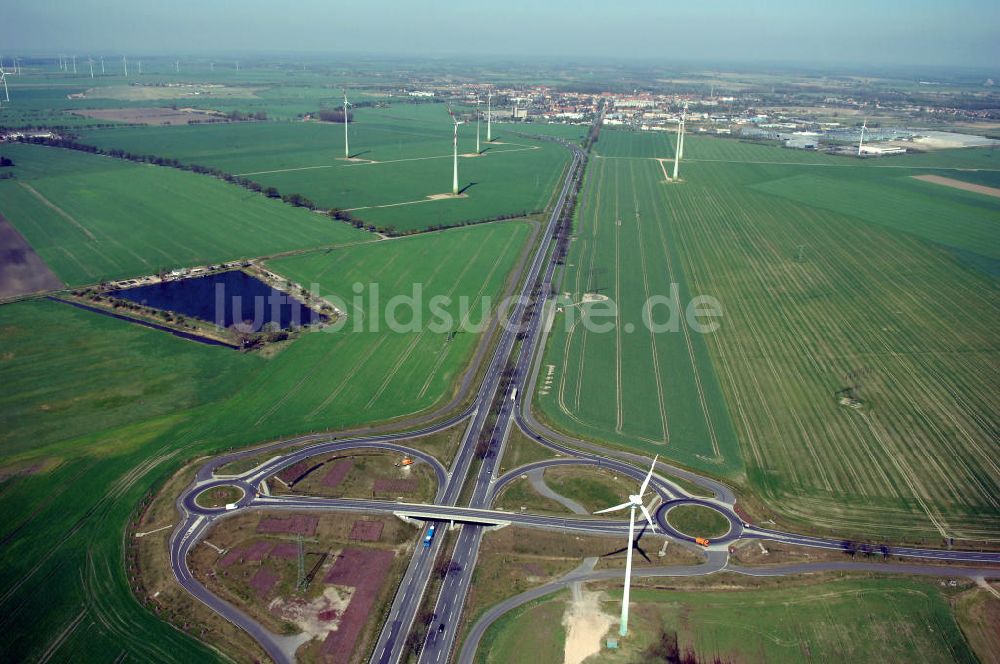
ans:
x=295 y=199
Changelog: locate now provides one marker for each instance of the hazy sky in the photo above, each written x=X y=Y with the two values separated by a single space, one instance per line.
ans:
x=957 y=32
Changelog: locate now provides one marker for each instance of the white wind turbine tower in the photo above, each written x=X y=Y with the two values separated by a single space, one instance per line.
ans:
x=683 y=128
x=3 y=78
x=177 y=66
x=478 y=150
x=347 y=149
x=454 y=145
x=125 y=63
x=864 y=126
x=140 y=67
x=489 y=117
x=102 y=65
x=74 y=64
x=679 y=149
x=634 y=502
x=90 y=61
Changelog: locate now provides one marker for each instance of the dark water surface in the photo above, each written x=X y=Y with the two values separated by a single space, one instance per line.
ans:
x=224 y=298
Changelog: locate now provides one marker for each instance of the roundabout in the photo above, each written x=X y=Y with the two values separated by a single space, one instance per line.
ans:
x=710 y=520
x=219 y=496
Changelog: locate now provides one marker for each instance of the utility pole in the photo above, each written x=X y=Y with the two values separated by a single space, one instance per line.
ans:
x=300 y=585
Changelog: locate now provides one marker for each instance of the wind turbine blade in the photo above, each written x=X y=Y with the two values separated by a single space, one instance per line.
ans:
x=649 y=518
x=645 y=482
x=614 y=509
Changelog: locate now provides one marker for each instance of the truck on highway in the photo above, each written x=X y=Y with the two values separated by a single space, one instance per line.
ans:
x=513 y=394
x=702 y=541
x=429 y=537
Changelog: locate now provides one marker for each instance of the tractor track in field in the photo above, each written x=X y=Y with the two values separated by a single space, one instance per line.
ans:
x=660 y=399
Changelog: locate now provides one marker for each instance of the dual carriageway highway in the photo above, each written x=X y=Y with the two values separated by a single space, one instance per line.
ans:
x=520 y=339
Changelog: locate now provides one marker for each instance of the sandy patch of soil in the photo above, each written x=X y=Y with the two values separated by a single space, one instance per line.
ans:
x=438 y=197
x=585 y=625
x=316 y=617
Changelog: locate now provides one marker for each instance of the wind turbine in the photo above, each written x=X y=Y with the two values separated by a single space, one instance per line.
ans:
x=140 y=67
x=634 y=502
x=489 y=117
x=90 y=61
x=74 y=64
x=347 y=149
x=125 y=63
x=478 y=151
x=3 y=77
x=177 y=66
x=679 y=150
x=864 y=126
x=454 y=145
x=683 y=128
x=102 y=65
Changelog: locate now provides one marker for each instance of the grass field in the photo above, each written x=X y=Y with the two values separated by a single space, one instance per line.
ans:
x=404 y=155
x=842 y=620
x=873 y=304
x=94 y=218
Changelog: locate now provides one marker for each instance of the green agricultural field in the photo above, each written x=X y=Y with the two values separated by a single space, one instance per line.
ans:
x=818 y=301
x=95 y=416
x=94 y=218
x=898 y=620
x=655 y=391
x=335 y=379
x=63 y=366
x=403 y=156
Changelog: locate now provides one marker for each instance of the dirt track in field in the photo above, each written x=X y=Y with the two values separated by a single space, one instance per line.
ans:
x=958 y=184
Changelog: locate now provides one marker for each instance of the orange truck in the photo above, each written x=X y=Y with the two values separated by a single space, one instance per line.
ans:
x=702 y=541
